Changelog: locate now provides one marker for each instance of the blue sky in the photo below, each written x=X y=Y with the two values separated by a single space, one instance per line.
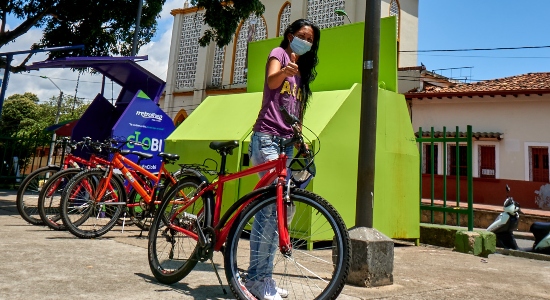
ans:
x=443 y=24
x=466 y=24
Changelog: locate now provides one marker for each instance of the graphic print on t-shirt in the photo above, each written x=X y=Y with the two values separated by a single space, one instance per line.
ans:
x=289 y=92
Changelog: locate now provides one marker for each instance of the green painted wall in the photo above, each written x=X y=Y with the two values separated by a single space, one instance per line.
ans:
x=340 y=58
x=334 y=116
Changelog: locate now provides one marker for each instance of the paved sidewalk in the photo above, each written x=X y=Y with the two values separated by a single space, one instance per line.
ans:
x=39 y=263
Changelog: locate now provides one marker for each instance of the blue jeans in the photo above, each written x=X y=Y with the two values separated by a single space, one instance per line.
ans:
x=263 y=237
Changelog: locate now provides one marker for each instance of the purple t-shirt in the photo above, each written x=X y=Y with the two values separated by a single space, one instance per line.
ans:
x=288 y=95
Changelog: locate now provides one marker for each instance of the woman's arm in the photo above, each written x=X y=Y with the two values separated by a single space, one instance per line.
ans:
x=276 y=74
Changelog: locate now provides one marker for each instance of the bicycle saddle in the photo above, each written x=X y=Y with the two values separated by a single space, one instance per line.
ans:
x=224 y=146
x=169 y=156
x=141 y=155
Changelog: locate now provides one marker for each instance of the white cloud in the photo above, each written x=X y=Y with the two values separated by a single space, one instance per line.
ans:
x=89 y=85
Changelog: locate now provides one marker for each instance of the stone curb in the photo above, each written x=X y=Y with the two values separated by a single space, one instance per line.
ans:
x=523 y=254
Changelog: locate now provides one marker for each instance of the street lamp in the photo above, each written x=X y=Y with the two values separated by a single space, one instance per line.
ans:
x=341 y=12
x=52 y=145
x=136 y=32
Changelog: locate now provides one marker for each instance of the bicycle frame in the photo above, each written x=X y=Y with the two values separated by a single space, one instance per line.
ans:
x=122 y=163
x=94 y=161
x=222 y=230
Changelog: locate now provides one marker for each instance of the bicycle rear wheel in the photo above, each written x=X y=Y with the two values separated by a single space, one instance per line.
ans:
x=49 y=199
x=140 y=212
x=85 y=215
x=319 y=262
x=171 y=253
x=28 y=192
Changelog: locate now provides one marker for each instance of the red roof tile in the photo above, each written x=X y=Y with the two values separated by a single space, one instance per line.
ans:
x=520 y=84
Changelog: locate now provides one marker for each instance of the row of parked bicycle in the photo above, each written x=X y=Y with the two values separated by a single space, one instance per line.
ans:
x=186 y=221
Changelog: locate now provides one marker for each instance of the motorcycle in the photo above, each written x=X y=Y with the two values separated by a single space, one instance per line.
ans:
x=507 y=222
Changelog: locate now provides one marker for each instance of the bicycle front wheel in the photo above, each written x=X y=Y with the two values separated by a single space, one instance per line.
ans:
x=28 y=192
x=318 y=264
x=49 y=199
x=171 y=253
x=87 y=214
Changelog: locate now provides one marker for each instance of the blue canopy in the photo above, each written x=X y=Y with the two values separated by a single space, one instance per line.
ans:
x=122 y=70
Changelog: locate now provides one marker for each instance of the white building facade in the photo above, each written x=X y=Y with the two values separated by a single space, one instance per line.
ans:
x=196 y=72
x=511 y=142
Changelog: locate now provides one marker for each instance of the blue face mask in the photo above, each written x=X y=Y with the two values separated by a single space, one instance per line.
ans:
x=299 y=46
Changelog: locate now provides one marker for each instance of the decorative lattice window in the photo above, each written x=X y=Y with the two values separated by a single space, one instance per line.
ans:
x=394 y=11
x=321 y=12
x=217 y=70
x=284 y=19
x=253 y=29
x=188 y=50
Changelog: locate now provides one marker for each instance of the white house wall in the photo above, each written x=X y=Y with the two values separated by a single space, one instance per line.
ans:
x=523 y=121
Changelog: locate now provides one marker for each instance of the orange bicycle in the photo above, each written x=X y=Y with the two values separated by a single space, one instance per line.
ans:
x=313 y=257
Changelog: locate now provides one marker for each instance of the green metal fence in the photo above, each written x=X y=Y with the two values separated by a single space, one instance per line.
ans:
x=20 y=155
x=445 y=138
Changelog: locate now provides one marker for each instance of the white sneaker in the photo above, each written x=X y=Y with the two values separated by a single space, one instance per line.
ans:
x=266 y=289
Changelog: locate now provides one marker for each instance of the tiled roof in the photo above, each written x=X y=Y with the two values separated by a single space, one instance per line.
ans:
x=521 y=84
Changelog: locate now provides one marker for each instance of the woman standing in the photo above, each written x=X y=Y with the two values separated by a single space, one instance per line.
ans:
x=290 y=69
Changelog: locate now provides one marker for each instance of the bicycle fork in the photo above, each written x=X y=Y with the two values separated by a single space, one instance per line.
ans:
x=282 y=225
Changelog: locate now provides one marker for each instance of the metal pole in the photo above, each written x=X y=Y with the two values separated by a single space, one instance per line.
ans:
x=367 y=135
x=9 y=58
x=54 y=136
x=136 y=33
x=52 y=144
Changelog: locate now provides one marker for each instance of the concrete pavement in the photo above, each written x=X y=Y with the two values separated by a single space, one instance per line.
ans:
x=40 y=263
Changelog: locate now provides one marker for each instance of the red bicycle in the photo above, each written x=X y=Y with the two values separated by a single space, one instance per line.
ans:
x=30 y=188
x=313 y=257
x=95 y=198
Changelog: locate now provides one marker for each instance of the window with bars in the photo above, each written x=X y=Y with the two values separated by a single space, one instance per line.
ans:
x=396 y=11
x=487 y=161
x=321 y=12
x=458 y=165
x=428 y=162
x=252 y=29
x=284 y=19
x=188 y=50
x=539 y=164
x=217 y=68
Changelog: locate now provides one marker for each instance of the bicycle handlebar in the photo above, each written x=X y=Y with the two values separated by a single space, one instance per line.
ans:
x=295 y=123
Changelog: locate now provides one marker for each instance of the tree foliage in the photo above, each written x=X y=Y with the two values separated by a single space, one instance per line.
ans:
x=223 y=17
x=24 y=115
x=103 y=27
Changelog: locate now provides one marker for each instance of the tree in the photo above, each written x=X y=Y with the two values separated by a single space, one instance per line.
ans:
x=23 y=122
x=24 y=115
x=224 y=17
x=19 y=112
x=104 y=29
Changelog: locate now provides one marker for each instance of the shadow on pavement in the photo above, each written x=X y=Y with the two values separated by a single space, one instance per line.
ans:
x=7 y=202
x=184 y=289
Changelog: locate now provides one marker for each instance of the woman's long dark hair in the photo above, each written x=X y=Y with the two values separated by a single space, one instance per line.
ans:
x=308 y=61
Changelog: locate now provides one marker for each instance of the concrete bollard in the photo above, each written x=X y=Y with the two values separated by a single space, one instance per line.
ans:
x=371 y=258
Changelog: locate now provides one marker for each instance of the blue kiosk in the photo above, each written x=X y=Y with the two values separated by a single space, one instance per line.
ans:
x=134 y=116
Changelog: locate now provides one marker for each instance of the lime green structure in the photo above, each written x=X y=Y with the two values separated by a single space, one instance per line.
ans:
x=334 y=115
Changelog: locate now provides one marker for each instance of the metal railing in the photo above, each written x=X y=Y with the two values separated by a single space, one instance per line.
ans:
x=445 y=138
x=20 y=155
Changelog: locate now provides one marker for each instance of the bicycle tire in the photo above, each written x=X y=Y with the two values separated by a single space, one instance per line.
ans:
x=28 y=193
x=49 y=199
x=319 y=273
x=81 y=214
x=171 y=253
x=139 y=215
x=142 y=215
